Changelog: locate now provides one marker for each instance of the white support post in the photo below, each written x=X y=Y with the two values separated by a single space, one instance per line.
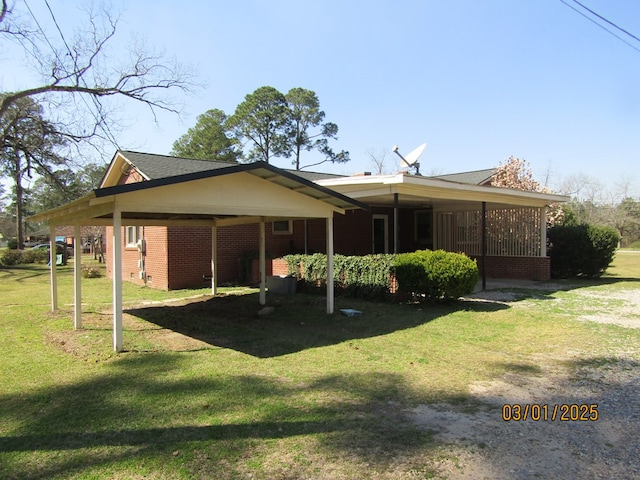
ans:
x=77 y=278
x=543 y=231
x=263 y=275
x=330 y=299
x=52 y=267
x=117 y=280
x=214 y=259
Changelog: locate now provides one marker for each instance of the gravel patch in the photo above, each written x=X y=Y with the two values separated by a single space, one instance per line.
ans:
x=483 y=445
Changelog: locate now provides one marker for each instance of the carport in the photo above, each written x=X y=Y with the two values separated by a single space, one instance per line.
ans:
x=233 y=195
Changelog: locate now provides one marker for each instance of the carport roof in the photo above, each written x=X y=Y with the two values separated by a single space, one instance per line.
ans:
x=98 y=206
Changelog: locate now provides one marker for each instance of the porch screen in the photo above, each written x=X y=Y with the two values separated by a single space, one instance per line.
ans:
x=510 y=232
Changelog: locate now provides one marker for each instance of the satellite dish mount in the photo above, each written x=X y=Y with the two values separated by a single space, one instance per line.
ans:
x=411 y=160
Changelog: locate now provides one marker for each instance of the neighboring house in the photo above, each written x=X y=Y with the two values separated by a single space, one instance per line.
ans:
x=406 y=213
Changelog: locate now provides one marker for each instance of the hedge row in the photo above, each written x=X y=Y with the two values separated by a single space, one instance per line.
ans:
x=17 y=257
x=424 y=274
x=367 y=276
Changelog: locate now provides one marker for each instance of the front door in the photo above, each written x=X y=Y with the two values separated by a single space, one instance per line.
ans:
x=380 y=234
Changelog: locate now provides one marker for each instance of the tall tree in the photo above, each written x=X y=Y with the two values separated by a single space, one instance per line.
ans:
x=208 y=140
x=64 y=185
x=30 y=146
x=262 y=121
x=308 y=130
x=79 y=78
x=516 y=173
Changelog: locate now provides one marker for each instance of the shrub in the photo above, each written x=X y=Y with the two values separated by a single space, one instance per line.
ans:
x=40 y=255
x=581 y=250
x=17 y=257
x=11 y=257
x=91 y=271
x=366 y=276
x=12 y=244
x=437 y=275
x=29 y=256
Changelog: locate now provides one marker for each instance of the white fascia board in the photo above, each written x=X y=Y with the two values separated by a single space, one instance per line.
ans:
x=361 y=180
x=360 y=186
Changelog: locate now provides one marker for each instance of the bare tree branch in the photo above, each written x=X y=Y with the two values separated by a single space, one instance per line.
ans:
x=83 y=68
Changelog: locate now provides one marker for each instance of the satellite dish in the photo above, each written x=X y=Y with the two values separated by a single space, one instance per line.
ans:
x=411 y=160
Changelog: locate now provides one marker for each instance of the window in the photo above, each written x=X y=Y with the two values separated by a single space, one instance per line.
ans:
x=424 y=227
x=282 y=227
x=131 y=236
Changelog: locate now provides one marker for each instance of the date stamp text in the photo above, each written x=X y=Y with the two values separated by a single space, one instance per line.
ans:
x=563 y=412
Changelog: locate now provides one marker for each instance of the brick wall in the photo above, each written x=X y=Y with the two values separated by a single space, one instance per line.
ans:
x=155 y=261
x=279 y=267
x=189 y=256
x=179 y=257
x=519 y=268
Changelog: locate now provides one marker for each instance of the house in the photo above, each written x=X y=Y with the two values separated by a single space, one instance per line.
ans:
x=171 y=221
x=406 y=213
x=222 y=195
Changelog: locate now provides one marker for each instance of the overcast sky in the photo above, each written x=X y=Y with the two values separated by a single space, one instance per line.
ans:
x=478 y=80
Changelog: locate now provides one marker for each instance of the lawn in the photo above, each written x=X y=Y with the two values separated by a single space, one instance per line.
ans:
x=209 y=389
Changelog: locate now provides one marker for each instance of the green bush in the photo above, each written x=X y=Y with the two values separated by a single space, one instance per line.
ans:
x=18 y=257
x=29 y=256
x=366 y=276
x=40 y=255
x=12 y=244
x=436 y=275
x=11 y=257
x=581 y=250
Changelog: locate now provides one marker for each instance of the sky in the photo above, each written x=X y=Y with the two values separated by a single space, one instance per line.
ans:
x=478 y=80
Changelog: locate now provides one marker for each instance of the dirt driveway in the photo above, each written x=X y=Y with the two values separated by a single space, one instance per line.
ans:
x=581 y=421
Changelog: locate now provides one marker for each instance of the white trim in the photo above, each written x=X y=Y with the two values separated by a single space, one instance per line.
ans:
x=52 y=267
x=77 y=278
x=263 y=275
x=543 y=231
x=131 y=236
x=117 y=280
x=360 y=187
x=330 y=294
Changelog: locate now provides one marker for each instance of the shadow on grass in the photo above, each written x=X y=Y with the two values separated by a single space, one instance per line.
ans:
x=134 y=411
x=21 y=273
x=298 y=322
x=143 y=411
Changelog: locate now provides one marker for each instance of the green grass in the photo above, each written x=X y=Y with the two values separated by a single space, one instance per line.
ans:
x=208 y=389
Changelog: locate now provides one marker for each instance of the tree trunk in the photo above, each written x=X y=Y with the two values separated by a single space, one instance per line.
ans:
x=19 y=208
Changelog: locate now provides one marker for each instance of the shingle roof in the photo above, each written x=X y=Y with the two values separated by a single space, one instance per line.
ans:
x=476 y=177
x=161 y=166
x=156 y=166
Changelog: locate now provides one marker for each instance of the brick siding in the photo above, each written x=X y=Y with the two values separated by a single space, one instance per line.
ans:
x=518 y=268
